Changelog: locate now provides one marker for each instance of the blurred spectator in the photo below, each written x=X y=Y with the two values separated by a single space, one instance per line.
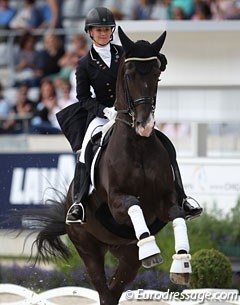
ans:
x=52 y=14
x=186 y=8
x=21 y=113
x=6 y=14
x=48 y=60
x=142 y=10
x=4 y=104
x=45 y=121
x=27 y=18
x=117 y=13
x=161 y=10
x=225 y=9
x=4 y=110
x=79 y=43
x=64 y=98
x=68 y=62
x=25 y=61
x=178 y=13
x=202 y=11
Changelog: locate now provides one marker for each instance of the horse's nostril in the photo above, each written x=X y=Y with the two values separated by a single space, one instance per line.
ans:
x=140 y=123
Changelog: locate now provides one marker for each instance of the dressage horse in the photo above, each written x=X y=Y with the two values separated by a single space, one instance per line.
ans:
x=134 y=195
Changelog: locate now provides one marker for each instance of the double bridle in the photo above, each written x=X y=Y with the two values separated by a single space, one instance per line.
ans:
x=142 y=100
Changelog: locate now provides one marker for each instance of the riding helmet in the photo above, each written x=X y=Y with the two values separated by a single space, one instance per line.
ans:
x=99 y=16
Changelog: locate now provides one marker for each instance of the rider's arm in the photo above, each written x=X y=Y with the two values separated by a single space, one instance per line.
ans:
x=84 y=94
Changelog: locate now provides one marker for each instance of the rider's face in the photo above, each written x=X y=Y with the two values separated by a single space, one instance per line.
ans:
x=100 y=35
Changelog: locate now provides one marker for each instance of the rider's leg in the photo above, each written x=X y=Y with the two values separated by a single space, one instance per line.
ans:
x=76 y=213
x=190 y=210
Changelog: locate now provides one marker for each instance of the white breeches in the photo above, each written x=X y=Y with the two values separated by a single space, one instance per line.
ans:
x=93 y=128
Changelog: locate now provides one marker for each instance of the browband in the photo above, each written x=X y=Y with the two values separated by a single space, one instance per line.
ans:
x=140 y=58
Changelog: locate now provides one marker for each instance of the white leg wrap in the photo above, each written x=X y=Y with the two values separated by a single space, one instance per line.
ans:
x=180 y=235
x=181 y=263
x=147 y=247
x=138 y=221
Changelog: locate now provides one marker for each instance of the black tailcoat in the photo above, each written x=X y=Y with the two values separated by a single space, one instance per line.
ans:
x=91 y=72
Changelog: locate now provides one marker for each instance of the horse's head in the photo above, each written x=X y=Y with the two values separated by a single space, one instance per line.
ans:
x=139 y=76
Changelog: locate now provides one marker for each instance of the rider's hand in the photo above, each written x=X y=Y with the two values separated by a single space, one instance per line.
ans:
x=110 y=113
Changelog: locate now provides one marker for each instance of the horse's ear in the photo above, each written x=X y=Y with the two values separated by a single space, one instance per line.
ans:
x=127 y=43
x=157 y=44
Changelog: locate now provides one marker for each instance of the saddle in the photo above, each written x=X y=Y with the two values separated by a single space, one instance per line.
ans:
x=93 y=154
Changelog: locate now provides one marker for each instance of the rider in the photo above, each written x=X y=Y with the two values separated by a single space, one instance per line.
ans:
x=96 y=76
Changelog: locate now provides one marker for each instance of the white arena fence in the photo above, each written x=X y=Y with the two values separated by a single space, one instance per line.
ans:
x=186 y=297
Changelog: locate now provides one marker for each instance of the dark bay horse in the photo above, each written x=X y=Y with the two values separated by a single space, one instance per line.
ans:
x=134 y=194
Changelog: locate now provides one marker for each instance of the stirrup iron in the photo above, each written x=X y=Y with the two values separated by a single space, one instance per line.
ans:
x=79 y=220
x=191 y=217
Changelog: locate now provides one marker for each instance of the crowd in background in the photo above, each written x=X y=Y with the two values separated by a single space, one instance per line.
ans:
x=51 y=68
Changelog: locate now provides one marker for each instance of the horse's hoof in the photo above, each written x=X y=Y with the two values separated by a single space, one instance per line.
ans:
x=147 y=249
x=180 y=278
x=152 y=261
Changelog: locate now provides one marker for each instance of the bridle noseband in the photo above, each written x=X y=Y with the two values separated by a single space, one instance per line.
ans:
x=142 y=100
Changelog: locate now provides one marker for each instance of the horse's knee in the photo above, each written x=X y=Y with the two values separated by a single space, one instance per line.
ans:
x=120 y=206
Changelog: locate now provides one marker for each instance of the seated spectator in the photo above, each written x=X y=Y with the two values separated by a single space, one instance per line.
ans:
x=4 y=110
x=161 y=10
x=21 y=113
x=178 y=13
x=28 y=18
x=25 y=61
x=48 y=60
x=225 y=9
x=64 y=98
x=202 y=11
x=45 y=121
x=142 y=10
x=52 y=14
x=184 y=8
x=4 y=104
x=68 y=61
x=6 y=14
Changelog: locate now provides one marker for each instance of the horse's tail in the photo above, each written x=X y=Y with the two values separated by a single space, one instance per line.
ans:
x=49 y=221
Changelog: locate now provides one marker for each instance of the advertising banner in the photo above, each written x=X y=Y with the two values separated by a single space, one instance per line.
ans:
x=27 y=180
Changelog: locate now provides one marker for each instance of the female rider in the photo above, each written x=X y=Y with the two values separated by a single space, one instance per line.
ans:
x=96 y=76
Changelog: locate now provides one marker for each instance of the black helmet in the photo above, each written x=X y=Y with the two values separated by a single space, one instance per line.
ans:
x=99 y=16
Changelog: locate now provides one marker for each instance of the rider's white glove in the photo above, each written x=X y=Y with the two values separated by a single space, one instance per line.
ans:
x=110 y=113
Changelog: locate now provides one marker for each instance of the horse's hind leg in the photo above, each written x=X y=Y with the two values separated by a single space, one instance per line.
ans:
x=92 y=253
x=127 y=268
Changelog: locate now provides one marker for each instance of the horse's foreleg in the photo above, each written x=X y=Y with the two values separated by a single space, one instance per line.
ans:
x=149 y=253
x=128 y=265
x=181 y=267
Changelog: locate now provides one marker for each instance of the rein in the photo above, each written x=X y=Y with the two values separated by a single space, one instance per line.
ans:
x=142 y=100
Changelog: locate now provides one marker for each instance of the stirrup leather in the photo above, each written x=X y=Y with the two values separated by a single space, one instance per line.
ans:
x=80 y=220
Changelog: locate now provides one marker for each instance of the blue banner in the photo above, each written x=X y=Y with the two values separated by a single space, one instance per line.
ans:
x=27 y=180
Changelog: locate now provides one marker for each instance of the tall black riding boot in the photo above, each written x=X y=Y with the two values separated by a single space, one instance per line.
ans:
x=191 y=211
x=81 y=183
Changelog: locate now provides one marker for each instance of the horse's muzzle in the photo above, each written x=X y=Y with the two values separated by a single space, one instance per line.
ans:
x=145 y=128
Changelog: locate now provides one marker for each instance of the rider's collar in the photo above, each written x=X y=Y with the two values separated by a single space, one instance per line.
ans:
x=114 y=52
